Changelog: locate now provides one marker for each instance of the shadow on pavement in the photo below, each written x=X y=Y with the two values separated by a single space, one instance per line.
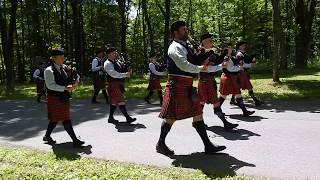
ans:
x=67 y=151
x=252 y=118
x=239 y=134
x=125 y=127
x=212 y=165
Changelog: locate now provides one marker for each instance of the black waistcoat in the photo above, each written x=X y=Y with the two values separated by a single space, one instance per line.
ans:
x=117 y=68
x=172 y=67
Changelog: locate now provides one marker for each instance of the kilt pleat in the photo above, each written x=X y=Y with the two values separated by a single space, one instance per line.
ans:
x=229 y=84
x=58 y=110
x=207 y=91
x=98 y=83
x=115 y=91
x=244 y=79
x=179 y=106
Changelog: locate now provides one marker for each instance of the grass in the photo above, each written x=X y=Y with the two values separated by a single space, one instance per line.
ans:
x=294 y=85
x=20 y=163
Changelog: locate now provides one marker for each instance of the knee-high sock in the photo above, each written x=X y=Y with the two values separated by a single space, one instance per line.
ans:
x=160 y=96
x=104 y=92
x=251 y=94
x=149 y=95
x=201 y=129
x=50 y=128
x=68 y=127
x=241 y=104
x=112 y=110
x=95 y=94
x=165 y=128
x=123 y=109
x=221 y=100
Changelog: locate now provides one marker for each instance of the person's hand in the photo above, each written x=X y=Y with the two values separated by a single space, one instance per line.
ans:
x=203 y=68
x=128 y=74
x=69 y=88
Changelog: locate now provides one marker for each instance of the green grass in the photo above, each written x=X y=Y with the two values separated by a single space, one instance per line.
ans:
x=294 y=85
x=29 y=164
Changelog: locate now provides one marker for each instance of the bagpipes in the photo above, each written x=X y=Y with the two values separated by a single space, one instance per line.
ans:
x=72 y=71
x=125 y=64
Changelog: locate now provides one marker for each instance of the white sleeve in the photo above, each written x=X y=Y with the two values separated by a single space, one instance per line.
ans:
x=179 y=56
x=36 y=74
x=50 y=82
x=109 y=68
x=231 y=67
x=78 y=78
x=215 y=68
x=94 y=65
x=152 y=68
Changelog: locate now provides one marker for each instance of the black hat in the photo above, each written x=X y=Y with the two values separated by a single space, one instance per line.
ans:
x=240 y=43
x=57 y=52
x=176 y=25
x=205 y=36
x=110 y=50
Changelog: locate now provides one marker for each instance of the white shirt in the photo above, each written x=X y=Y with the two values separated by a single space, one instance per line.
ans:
x=214 y=68
x=36 y=74
x=50 y=81
x=152 y=68
x=109 y=68
x=245 y=65
x=231 y=67
x=95 y=67
x=178 y=54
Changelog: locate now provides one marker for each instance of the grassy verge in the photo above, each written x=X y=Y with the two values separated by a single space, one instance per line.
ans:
x=303 y=84
x=28 y=164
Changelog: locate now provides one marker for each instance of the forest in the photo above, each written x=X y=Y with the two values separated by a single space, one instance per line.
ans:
x=285 y=34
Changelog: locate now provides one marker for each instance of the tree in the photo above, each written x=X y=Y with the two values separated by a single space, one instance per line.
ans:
x=276 y=22
x=7 y=39
x=305 y=13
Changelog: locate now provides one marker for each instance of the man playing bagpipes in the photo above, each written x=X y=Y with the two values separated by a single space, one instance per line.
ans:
x=180 y=99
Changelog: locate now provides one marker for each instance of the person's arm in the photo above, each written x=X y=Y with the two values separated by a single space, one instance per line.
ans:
x=231 y=67
x=109 y=68
x=179 y=55
x=36 y=74
x=215 y=68
x=94 y=66
x=50 y=82
x=152 y=68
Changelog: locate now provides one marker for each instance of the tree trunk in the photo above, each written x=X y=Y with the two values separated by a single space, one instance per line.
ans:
x=7 y=38
x=62 y=23
x=77 y=38
x=123 y=26
x=276 y=22
x=166 y=28
x=305 y=13
x=150 y=29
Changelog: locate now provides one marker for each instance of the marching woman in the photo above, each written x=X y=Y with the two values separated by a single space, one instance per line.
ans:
x=207 y=86
x=244 y=76
x=59 y=86
x=229 y=84
x=154 y=81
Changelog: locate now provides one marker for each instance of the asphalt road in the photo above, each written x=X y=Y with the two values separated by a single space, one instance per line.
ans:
x=281 y=140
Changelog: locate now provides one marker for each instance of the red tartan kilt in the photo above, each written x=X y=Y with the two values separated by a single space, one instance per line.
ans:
x=40 y=86
x=207 y=92
x=180 y=106
x=154 y=84
x=115 y=92
x=98 y=83
x=229 y=84
x=244 y=80
x=58 y=110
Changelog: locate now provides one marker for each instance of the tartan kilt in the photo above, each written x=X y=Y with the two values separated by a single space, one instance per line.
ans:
x=98 y=82
x=115 y=92
x=58 y=110
x=207 y=91
x=244 y=79
x=229 y=84
x=179 y=106
x=40 y=86
x=154 y=84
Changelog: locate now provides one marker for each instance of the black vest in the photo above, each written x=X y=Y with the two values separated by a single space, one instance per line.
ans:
x=158 y=68
x=41 y=73
x=60 y=80
x=172 y=67
x=117 y=68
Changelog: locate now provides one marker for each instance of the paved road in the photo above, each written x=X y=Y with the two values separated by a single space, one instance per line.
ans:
x=281 y=141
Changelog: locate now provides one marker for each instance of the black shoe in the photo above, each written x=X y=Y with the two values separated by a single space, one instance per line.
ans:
x=163 y=149
x=77 y=143
x=49 y=140
x=213 y=149
x=248 y=113
x=147 y=100
x=229 y=126
x=112 y=121
x=131 y=120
